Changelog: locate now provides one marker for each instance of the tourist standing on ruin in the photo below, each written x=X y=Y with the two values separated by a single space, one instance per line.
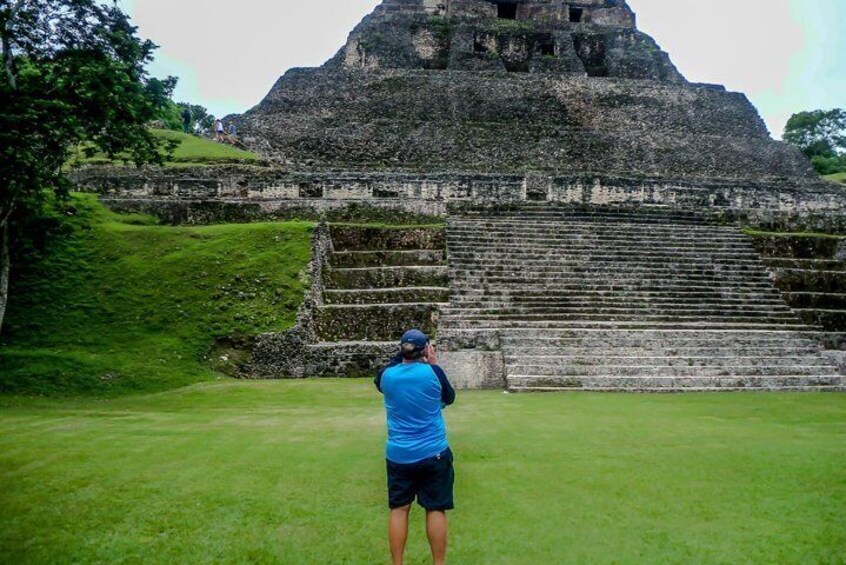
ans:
x=419 y=460
x=218 y=130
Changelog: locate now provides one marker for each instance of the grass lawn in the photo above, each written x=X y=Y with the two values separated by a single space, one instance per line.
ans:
x=192 y=150
x=837 y=177
x=120 y=304
x=292 y=472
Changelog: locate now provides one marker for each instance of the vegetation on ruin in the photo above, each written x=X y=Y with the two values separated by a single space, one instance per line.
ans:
x=188 y=151
x=111 y=304
x=293 y=472
x=837 y=177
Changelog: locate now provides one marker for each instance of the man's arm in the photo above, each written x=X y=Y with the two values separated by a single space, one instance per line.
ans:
x=447 y=392
x=396 y=360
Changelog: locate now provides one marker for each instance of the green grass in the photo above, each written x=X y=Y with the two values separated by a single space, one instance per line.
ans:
x=837 y=177
x=122 y=305
x=192 y=151
x=292 y=472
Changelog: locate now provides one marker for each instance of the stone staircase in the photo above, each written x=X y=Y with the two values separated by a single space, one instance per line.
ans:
x=377 y=283
x=605 y=299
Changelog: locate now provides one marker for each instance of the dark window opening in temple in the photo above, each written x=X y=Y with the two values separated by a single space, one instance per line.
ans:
x=576 y=15
x=546 y=45
x=591 y=50
x=506 y=11
x=479 y=45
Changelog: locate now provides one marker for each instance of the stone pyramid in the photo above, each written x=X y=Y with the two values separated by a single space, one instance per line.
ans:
x=515 y=86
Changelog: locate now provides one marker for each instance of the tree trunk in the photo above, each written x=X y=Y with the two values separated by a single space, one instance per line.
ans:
x=8 y=56
x=5 y=267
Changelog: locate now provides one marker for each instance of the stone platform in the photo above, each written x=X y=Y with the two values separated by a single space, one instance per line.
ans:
x=649 y=300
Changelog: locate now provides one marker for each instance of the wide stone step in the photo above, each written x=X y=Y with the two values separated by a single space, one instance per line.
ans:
x=633 y=309
x=555 y=256
x=593 y=229
x=671 y=371
x=540 y=383
x=573 y=266
x=702 y=349
x=652 y=337
x=601 y=270
x=416 y=257
x=575 y=216
x=526 y=325
x=552 y=240
x=459 y=303
x=494 y=251
x=385 y=277
x=493 y=325
x=451 y=316
x=716 y=359
x=588 y=220
x=540 y=232
x=515 y=295
x=387 y=295
x=581 y=284
x=556 y=274
x=374 y=322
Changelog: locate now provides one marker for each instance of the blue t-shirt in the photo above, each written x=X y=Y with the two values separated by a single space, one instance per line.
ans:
x=414 y=395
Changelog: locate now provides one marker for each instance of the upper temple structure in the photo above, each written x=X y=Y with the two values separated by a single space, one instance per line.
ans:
x=547 y=86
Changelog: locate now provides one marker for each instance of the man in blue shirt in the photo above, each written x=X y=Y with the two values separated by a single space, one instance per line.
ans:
x=419 y=460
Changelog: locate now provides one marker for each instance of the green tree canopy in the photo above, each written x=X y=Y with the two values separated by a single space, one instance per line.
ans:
x=819 y=133
x=73 y=71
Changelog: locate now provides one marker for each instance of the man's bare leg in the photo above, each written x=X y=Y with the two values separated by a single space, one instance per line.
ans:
x=436 y=530
x=398 y=532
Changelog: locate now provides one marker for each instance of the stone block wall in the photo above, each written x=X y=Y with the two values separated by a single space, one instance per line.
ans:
x=370 y=285
x=420 y=121
x=810 y=271
x=236 y=194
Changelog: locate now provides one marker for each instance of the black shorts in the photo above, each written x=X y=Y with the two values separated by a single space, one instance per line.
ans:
x=430 y=481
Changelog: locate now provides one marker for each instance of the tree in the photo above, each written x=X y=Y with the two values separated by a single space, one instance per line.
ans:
x=820 y=133
x=73 y=71
x=199 y=114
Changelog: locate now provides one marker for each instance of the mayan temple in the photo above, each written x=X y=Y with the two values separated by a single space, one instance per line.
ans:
x=594 y=204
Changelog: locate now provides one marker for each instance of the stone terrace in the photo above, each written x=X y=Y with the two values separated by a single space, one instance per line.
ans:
x=370 y=284
x=610 y=299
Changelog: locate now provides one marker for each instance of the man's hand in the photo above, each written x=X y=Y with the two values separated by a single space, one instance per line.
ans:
x=429 y=355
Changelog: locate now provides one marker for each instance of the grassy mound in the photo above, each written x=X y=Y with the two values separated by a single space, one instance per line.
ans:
x=192 y=151
x=121 y=304
x=836 y=177
x=293 y=472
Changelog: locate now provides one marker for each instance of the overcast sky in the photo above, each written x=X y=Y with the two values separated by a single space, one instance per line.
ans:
x=786 y=55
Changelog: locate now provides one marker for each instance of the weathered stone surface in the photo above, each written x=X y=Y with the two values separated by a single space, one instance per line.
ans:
x=810 y=271
x=411 y=198
x=355 y=316
x=468 y=121
x=474 y=369
x=374 y=322
x=641 y=300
